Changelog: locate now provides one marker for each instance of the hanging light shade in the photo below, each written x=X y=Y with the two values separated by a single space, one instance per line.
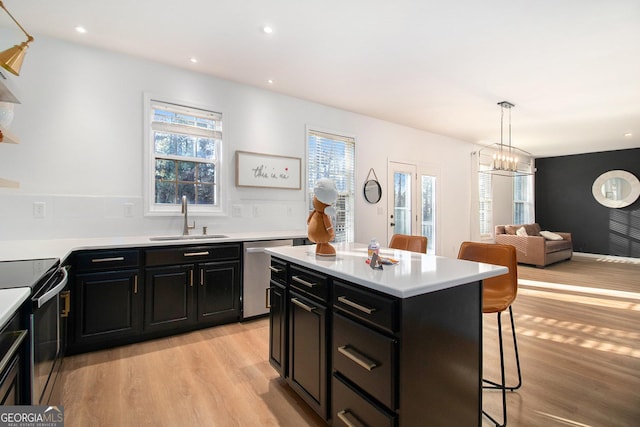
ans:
x=11 y=59
x=503 y=158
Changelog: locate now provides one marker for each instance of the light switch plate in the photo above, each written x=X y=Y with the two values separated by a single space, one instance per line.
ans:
x=39 y=210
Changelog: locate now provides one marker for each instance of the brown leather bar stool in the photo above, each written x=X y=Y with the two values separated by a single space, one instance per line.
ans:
x=409 y=243
x=497 y=295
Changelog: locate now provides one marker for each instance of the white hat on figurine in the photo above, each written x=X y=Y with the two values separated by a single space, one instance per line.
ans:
x=325 y=191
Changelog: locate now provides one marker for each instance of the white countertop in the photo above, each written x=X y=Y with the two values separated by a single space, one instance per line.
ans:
x=61 y=248
x=10 y=301
x=415 y=274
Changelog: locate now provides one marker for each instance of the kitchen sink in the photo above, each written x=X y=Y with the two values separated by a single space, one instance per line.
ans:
x=194 y=237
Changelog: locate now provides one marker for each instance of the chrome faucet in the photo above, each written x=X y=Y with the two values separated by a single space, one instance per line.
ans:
x=186 y=227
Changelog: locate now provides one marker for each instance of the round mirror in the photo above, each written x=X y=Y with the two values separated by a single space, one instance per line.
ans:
x=616 y=189
x=372 y=191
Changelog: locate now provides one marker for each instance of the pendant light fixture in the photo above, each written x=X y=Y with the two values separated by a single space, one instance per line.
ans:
x=503 y=158
x=11 y=59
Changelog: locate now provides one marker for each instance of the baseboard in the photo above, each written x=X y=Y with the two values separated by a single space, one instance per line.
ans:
x=609 y=258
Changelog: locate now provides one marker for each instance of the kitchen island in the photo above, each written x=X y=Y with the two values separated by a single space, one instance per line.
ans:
x=401 y=346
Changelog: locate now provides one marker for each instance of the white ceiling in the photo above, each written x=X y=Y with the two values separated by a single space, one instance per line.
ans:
x=571 y=67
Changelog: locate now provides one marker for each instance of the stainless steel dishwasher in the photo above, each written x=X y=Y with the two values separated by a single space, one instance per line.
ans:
x=256 y=276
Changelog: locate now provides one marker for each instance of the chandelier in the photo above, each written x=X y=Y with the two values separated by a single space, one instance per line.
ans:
x=503 y=158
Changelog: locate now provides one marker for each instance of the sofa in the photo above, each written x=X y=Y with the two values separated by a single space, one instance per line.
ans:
x=531 y=245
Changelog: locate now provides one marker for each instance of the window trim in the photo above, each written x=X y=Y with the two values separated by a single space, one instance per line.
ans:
x=153 y=209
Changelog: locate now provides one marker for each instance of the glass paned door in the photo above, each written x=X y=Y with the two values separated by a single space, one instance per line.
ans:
x=428 y=220
x=412 y=204
x=402 y=201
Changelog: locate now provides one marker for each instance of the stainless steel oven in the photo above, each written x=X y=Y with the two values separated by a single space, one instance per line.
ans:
x=46 y=316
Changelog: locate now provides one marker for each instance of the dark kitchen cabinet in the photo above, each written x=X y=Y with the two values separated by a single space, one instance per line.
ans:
x=13 y=365
x=381 y=360
x=218 y=292
x=307 y=339
x=128 y=295
x=169 y=297
x=192 y=286
x=278 y=316
x=107 y=295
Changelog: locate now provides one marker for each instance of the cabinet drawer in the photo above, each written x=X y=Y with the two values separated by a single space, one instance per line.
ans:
x=278 y=270
x=309 y=282
x=104 y=260
x=366 y=357
x=352 y=408
x=189 y=254
x=372 y=308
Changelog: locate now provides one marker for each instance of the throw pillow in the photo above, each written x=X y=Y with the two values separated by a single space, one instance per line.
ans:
x=550 y=236
x=511 y=229
x=521 y=232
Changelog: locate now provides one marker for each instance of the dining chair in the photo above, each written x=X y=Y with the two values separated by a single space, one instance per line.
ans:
x=409 y=243
x=498 y=293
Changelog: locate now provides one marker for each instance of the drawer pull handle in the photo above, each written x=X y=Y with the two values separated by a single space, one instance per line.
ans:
x=356 y=357
x=302 y=305
x=135 y=284
x=113 y=259
x=304 y=282
x=202 y=277
x=343 y=417
x=275 y=269
x=355 y=305
x=196 y=253
x=267 y=293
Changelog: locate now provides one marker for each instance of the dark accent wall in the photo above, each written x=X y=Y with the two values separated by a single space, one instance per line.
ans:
x=564 y=202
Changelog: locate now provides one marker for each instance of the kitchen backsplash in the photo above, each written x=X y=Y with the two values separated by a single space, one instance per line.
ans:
x=24 y=216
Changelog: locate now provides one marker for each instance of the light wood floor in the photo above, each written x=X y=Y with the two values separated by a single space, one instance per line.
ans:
x=579 y=349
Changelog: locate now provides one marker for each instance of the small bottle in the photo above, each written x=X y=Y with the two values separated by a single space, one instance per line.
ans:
x=374 y=247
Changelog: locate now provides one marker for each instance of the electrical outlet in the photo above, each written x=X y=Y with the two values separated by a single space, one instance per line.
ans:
x=236 y=211
x=128 y=210
x=289 y=211
x=257 y=211
x=39 y=210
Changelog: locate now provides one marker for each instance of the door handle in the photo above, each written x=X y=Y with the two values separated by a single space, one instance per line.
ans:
x=343 y=417
x=304 y=282
x=358 y=358
x=66 y=296
x=267 y=303
x=302 y=305
x=355 y=305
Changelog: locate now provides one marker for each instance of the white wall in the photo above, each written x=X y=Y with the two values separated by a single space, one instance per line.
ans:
x=81 y=126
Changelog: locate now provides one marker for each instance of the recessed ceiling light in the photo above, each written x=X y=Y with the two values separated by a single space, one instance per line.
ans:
x=80 y=29
x=628 y=135
x=267 y=29
x=270 y=81
x=194 y=60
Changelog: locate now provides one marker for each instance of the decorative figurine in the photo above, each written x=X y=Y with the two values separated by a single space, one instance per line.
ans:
x=319 y=227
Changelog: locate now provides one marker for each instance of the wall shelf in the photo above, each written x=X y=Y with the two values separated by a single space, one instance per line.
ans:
x=7 y=137
x=7 y=183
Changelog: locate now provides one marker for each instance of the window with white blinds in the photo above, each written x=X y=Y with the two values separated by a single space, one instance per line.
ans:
x=523 y=199
x=333 y=156
x=184 y=145
x=486 y=201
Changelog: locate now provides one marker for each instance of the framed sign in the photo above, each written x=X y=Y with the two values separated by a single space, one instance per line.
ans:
x=268 y=171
